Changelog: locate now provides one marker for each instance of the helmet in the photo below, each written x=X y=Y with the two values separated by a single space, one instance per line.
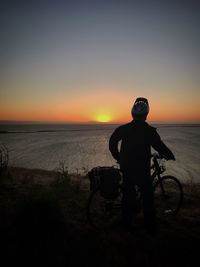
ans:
x=140 y=108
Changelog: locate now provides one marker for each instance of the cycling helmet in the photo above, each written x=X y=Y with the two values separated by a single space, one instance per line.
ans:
x=140 y=108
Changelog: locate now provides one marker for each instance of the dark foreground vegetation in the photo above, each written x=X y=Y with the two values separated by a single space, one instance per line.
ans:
x=43 y=223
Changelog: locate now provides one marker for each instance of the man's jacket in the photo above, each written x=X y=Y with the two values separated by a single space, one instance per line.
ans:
x=136 y=138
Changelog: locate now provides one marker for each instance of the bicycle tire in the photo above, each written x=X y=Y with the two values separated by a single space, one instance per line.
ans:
x=169 y=201
x=106 y=213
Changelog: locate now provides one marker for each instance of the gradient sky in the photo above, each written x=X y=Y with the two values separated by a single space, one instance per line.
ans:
x=77 y=60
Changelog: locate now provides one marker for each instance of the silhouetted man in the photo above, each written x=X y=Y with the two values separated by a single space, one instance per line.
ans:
x=134 y=158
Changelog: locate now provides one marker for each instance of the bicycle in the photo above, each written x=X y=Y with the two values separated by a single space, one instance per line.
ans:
x=104 y=211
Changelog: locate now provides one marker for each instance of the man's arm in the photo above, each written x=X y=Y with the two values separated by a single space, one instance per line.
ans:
x=162 y=149
x=113 y=143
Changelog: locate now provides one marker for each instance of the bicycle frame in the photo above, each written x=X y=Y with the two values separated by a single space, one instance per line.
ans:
x=157 y=172
x=160 y=183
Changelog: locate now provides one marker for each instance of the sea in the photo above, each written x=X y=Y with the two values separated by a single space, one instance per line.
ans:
x=81 y=147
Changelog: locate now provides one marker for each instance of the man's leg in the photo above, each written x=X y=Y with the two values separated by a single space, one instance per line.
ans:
x=146 y=188
x=128 y=200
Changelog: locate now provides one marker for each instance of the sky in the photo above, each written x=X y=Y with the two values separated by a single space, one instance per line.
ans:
x=83 y=61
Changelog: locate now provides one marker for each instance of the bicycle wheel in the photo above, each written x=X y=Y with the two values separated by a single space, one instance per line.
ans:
x=103 y=213
x=168 y=195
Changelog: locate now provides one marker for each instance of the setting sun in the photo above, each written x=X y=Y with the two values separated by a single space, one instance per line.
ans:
x=103 y=118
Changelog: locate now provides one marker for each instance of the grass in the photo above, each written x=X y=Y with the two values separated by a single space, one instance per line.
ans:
x=43 y=223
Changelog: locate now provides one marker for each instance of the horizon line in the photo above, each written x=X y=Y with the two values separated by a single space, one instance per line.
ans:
x=95 y=122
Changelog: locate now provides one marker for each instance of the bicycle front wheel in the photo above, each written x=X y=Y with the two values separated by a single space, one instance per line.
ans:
x=103 y=213
x=168 y=195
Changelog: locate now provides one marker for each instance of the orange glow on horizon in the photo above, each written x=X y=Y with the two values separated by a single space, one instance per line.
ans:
x=105 y=107
x=102 y=118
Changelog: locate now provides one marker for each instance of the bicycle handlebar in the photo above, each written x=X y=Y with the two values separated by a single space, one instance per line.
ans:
x=159 y=156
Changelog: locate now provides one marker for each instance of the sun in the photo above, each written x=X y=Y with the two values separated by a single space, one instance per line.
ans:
x=103 y=118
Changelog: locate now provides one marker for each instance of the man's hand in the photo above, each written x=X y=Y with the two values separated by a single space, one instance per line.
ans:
x=171 y=157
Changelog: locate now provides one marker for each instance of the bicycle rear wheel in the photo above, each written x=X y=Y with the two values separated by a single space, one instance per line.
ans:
x=168 y=195
x=103 y=213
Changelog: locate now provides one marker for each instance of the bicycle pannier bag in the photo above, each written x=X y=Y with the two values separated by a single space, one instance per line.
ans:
x=94 y=178
x=107 y=178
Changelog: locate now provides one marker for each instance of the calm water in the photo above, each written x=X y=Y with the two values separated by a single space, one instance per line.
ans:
x=86 y=146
